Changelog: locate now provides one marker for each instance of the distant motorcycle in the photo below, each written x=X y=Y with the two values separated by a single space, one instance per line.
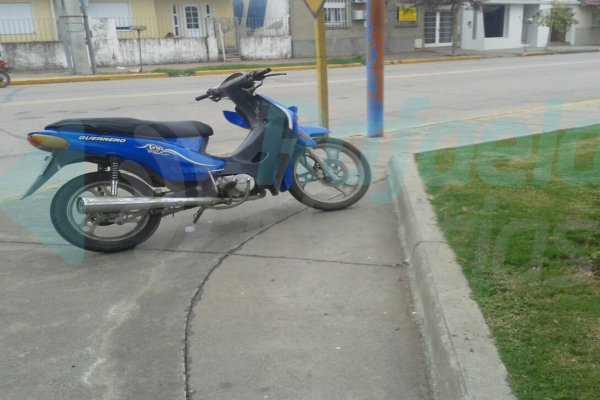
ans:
x=150 y=169
x=4 y=77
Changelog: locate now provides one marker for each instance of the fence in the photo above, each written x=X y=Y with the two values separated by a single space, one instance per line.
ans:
x=46 y=30
x=28 y=30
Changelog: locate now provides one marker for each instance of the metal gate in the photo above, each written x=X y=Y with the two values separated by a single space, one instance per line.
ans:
x=228 y=37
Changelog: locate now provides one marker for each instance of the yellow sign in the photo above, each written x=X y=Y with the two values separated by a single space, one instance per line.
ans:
x=407 y=14
x=314 y=6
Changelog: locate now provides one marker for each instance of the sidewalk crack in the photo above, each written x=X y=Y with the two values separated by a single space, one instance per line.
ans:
x=198 y=296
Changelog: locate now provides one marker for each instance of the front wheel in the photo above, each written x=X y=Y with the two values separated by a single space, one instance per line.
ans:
x=101 y=232
x=344 y=180
x=4 y=79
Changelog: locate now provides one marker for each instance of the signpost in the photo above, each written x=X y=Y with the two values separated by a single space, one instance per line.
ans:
x=316 y=8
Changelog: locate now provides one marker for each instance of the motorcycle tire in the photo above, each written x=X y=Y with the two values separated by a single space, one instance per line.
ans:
x=4 y=79
x=81 y=229
x=326 y=193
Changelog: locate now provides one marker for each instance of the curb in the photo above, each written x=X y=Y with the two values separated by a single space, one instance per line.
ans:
x=87 y=78
x=278 y=69
x=462 y=359
x=554 y=53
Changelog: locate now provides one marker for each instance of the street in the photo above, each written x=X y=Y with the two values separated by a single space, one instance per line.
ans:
x=268 y=300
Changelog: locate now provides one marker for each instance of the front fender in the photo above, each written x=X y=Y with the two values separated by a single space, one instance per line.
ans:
x=54 y=162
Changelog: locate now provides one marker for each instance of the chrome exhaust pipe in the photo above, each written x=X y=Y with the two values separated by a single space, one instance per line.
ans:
x=90 y=205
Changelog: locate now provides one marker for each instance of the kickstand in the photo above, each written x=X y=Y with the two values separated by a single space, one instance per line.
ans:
x=198 y=214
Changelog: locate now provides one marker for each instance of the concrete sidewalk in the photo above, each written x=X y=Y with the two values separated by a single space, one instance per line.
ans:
x=314 y=307
x=417 y=56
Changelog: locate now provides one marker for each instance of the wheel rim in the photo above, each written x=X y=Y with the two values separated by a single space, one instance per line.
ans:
x=106 y=227
x=347 y=167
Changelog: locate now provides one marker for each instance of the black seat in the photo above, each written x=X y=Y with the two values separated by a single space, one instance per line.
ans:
x=134 y=127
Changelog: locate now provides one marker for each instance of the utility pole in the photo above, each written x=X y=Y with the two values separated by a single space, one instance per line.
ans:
x=75 y=35
x=375 y=52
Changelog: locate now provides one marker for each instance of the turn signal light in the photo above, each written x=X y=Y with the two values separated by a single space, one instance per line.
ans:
x=47 y=142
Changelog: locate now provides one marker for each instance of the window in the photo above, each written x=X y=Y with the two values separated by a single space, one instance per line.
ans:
x=337 y=13
x=16 y=19
x=494 y=20
x=208 y=9
x=175 y=21
x=117 y=11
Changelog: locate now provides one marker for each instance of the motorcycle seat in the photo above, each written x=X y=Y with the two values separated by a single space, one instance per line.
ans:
x=134 y=127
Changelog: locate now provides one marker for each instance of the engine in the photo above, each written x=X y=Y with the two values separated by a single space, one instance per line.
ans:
x=235 y=185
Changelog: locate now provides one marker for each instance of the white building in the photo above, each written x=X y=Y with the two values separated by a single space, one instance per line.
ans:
x=504 y=25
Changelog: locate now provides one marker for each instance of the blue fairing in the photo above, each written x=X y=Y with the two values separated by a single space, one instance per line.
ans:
x=306 y=134
x=236 y=119
x=173 y=159
x=315 y=131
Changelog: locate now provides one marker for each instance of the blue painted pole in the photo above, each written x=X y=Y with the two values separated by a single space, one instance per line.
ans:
x=375 y=53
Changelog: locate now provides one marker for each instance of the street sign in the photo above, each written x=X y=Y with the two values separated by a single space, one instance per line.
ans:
x=314 y=6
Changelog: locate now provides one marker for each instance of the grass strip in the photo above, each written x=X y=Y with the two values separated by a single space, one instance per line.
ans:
x=523 y=217
x=190 y=71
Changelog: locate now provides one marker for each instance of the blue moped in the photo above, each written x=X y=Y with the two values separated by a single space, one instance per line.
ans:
x=149 y=169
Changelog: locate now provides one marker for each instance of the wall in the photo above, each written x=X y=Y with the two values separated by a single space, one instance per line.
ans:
x=222 y=8
x=35 y=56
x=348 y=41
x=162 y=51
x=111 y=51
x=584 y=33
x=472 y=36
x=106 y=42
x=265 y=48
x=531 y=30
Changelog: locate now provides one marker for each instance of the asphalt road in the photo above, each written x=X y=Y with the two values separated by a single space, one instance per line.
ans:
x=234 y=308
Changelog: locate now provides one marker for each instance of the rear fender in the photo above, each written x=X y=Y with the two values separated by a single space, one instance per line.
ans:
x=55 y=161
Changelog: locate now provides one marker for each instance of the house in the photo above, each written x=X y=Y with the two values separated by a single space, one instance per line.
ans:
x=507 y=24
x=345 y=22
x=34 y=33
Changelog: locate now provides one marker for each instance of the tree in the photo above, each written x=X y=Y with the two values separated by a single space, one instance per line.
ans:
x=560 y=18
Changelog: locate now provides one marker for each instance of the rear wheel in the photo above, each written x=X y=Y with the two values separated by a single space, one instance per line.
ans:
x=4 y=79
x=347 y=182
x=102 y=232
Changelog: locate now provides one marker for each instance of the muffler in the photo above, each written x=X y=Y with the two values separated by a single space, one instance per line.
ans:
x=90 y=205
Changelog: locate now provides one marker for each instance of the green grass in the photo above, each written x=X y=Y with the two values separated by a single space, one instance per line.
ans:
x=523 y=216
x=191 y=71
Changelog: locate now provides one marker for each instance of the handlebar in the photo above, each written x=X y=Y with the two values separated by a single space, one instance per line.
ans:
x=213 y=94
x=260 y=75
x=255 y=76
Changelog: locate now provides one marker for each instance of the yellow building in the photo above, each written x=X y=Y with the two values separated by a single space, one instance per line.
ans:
x=36 y=20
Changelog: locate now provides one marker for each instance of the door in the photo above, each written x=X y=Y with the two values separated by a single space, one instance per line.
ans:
x=437 y=28
x=557 y=36
x=192 y=20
